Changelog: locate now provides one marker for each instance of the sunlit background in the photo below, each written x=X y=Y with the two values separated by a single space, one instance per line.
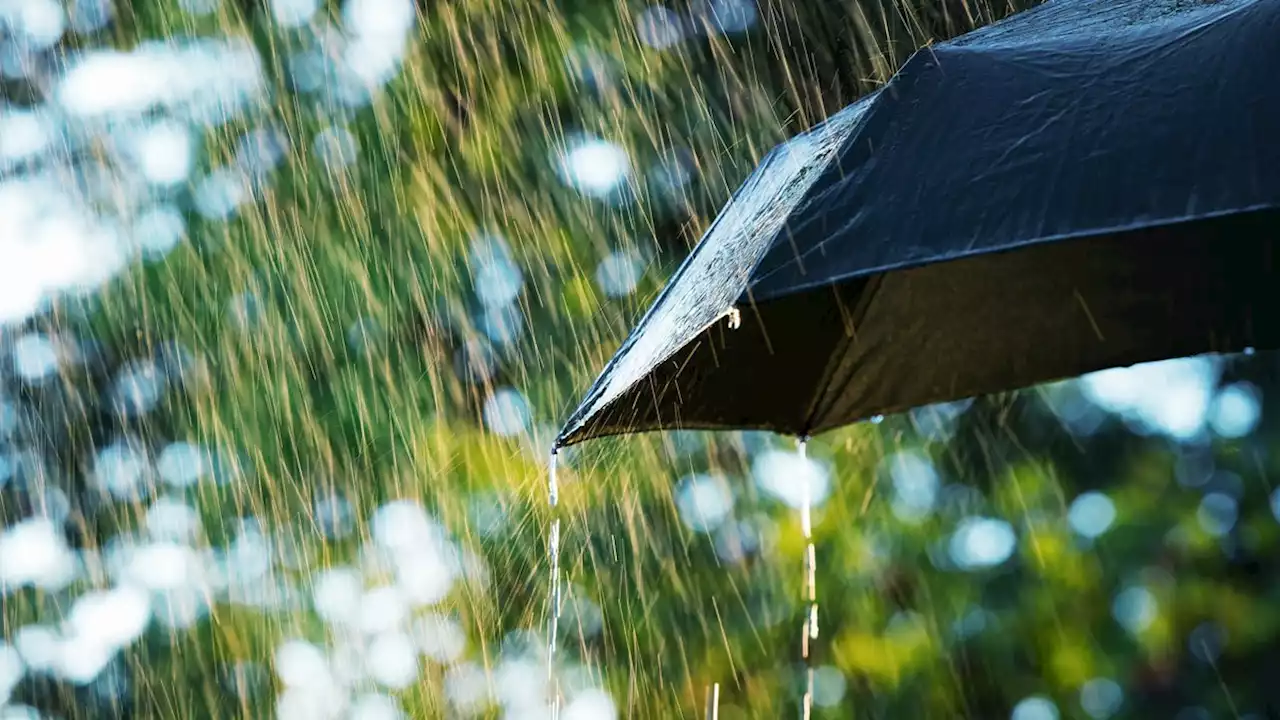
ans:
x=293 y=295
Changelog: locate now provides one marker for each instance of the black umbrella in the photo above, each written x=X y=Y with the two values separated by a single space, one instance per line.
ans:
x=1088 y=184
x=1085 y=185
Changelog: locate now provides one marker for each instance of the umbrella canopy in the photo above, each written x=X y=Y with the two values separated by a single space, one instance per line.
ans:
x=1084 y=185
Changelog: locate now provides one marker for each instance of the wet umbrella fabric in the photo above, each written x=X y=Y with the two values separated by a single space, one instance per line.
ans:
x=1084 y=185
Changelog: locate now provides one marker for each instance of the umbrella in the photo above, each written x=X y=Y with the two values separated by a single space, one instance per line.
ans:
x=1084 y=185
x=1087 y=184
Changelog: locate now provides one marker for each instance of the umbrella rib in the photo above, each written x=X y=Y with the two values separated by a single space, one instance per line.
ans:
x=818 y=405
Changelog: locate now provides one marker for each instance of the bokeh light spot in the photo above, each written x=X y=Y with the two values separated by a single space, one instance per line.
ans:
x=1036 y=707
x=784 y=475
x=1236 y=410
x=1101 y=698
x=704 y=502
x=1217 y=513
x=980 y=542
x=1135 y=608
x=915 y=485
x=1091 y=514
x=595 y=167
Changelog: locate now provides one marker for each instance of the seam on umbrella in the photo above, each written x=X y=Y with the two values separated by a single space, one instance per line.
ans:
x=896 y=88
x=866 y=297
x=1060 y=237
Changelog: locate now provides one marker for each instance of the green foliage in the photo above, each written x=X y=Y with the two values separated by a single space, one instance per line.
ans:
x=462 y=143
